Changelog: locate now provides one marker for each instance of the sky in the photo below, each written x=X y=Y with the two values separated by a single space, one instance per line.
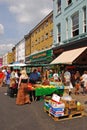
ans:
x=18 y=17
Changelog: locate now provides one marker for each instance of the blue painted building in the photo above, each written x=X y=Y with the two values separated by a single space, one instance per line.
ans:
x=70 y=24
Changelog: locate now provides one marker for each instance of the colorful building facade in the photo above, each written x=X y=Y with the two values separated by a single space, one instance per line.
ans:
x=39 y=38
x=70 y=25
x=1 y=61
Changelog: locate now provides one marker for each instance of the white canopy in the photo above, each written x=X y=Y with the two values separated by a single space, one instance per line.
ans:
x=17 y=64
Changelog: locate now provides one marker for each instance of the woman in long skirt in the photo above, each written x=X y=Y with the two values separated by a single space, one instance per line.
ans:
x=23 y=96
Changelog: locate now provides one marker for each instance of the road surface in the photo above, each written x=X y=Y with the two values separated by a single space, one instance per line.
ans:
x=32 y=117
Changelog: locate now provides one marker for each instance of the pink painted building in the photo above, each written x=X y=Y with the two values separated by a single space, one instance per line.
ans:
x=1 y=61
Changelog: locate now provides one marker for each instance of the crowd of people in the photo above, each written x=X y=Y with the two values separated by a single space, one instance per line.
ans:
x=17 y=82
x=72 y=79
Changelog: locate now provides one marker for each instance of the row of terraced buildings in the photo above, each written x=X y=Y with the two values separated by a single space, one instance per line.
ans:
x=63 y=29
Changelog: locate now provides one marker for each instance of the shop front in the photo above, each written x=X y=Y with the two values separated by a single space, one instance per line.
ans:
x=75 y=56
x=43 y=57
x=69 y=45
x=39 y=60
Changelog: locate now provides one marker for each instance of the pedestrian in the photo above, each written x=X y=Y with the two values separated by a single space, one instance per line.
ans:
x=4 y=80
x=55 y=76
x=62 y=79
x=77 y=82
x=13 y=85
x=2 y=75
x=84 y=82
x=34 y=77
x=67 y=77
x=23 y=96
x=39 y=75
x=8 y=74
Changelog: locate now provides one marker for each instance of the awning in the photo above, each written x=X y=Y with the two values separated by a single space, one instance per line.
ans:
x=17 y=64
x=68 y=57
x=36 y=65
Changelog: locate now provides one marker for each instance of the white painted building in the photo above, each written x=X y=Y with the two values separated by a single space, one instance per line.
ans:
x=20 y=51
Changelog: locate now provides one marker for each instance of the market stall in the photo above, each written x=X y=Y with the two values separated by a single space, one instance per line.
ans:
x=53 y=87
x=48 y=91
x=17 y=65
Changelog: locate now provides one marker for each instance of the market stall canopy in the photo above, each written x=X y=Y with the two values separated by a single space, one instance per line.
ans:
x=68 y=57
x=36 y=65
x=17 y=64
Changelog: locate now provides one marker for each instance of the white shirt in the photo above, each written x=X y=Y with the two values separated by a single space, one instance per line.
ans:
x=84 y=79
x=67 y=76
x=55 y=76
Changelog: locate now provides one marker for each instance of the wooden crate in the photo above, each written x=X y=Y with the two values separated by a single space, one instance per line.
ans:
x=70 y=104
x=68 y=115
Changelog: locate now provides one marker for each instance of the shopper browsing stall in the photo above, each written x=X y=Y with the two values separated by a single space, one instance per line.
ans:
x=67 y=77
x=56 y=76
x=84 y=81
x=34 y=77
x=23 y=96
x=1 y=77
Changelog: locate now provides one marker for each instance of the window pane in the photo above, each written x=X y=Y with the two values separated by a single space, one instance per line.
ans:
x=59 y=32
x=59 y=5
x=84 y=19
x=69 y=2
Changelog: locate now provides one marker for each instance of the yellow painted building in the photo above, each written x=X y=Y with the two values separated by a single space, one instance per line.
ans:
x=28 y=44
x=14 y=54
x=42 y=34
x=40 y=37
x=9 y=58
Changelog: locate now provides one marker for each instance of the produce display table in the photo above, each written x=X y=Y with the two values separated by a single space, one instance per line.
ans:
x=49 y=91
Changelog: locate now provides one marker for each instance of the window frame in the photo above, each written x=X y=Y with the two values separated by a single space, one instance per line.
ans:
x=66 y=28
x=59 y=33
x=58 y=6
x=75 y=24
x=84 y=20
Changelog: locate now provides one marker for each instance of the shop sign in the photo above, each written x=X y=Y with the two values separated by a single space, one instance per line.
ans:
x=41 y=55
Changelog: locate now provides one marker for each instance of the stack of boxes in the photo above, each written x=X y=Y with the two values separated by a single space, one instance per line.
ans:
x=54 y=106
x=59 y=107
